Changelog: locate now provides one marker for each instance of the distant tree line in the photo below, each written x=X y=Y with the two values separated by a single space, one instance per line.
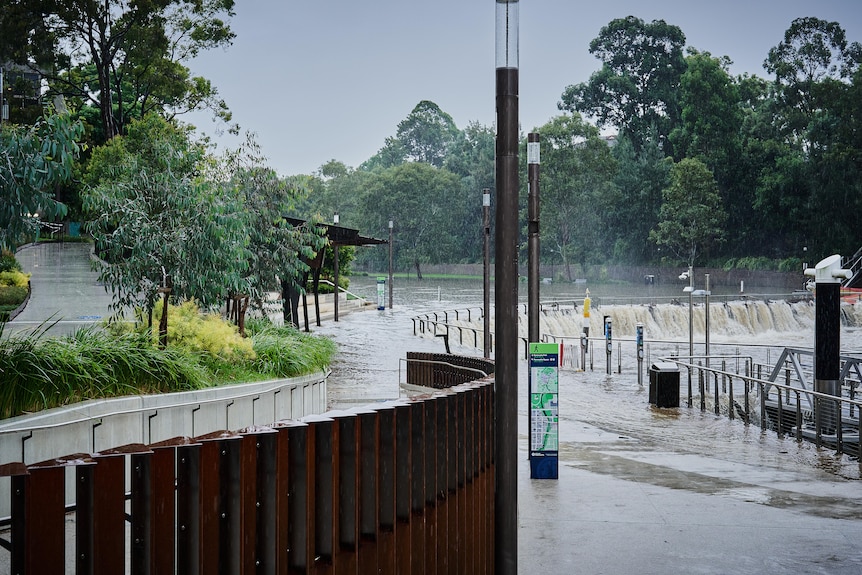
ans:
x=704 y=167
x=661 y=156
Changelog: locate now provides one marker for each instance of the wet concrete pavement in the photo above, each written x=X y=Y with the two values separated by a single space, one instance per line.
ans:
x=655 y=494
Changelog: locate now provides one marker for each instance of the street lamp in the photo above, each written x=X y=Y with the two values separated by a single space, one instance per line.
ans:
x=486 y=272
x=391 y=228
x=335 y=266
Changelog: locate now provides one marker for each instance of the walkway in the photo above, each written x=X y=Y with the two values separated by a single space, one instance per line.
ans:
x=625 y=502
x=65 y=289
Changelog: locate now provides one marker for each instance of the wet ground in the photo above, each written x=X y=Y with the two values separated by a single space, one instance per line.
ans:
x=644 y=490
x=641 y=490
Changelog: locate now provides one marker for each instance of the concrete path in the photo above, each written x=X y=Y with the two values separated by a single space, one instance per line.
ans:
x=65 y=289
x=626 y=502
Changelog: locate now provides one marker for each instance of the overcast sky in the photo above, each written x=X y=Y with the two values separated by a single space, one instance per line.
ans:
x=331 y=79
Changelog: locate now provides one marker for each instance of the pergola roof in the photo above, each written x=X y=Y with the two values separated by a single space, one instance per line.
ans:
x=341 y=236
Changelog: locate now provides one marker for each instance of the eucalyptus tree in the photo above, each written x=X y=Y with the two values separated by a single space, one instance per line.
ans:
x=33 y=160
x=428 y=134
x=577 y=192
x=472 y=158
x=278 y=252
x=418 y=197
x=123 y=57
x=692 y=217
x=640 y=179
x=636 y=88
x=157 y=221
x=816 y=75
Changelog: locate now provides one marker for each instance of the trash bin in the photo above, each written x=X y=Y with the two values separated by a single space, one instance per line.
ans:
x=664 y=384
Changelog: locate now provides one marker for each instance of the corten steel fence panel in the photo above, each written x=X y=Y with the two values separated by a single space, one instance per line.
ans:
x=429 y=433
x=324 y=438
x=386 y=475
x=188 y=509
x=403 y=478
x=301 y=497
x=442 y=483
x=38 y=499
x=403 y=487
x=416 y=411
x=369 y=495
x=347 y=512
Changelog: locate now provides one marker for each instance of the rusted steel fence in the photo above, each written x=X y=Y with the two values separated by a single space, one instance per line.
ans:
x=401 y=487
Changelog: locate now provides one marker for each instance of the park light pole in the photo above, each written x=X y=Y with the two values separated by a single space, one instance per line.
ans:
x=506 y=291
x=335 y=270
x=486 y=272
x=391 y=228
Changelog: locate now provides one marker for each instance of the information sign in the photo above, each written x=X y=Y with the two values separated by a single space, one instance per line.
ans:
x=544 y=377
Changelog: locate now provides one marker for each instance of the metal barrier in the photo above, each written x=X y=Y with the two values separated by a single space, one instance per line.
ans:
x=780 y=406
x=397 y=487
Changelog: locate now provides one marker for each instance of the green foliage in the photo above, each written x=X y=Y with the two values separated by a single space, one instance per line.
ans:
x=14 y=278
x=692 y=216
x=203 y=333
x=33 y=160
x=636 y=88
x=154 y=215
x=116 y=60
x=12 y=296
x=418 y=198
x=577 y=184
x=8 y=262
x=41 y=372
x=285 y=351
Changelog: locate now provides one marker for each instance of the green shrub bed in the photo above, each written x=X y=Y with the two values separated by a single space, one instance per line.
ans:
x=38 y=372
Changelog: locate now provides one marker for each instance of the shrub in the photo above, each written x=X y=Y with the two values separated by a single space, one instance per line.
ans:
x=8 y=262
x=14 y=278
x=208 y=333
x=12 y=295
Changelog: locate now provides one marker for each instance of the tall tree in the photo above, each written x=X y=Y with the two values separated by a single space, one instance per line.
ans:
x=33 y=160
x=472 y=159
x=636 y=88
x=418 y=197
x=154 y=215
x=692 y=216
x=813 y=50
x=428 y=133
x=122 y=56
x=576 y=192
x=278 y=252
x=640 y=179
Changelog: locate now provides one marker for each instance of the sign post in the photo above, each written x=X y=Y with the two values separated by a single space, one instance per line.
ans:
x=544 y=385
x=381 y=293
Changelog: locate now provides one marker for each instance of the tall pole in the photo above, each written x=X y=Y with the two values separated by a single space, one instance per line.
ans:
x=506 y=292
x=391 y=226
x=335 y=269
x=486 y=271
x=533 y=161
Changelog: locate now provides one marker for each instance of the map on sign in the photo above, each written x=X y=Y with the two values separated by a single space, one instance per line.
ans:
x=545 y=379
x=544 y=435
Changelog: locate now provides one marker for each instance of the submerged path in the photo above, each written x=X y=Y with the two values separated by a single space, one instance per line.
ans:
x=643 y=490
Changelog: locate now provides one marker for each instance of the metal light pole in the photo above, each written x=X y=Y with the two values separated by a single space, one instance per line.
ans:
x=533 y=161
x=506 y=292
x=335 y=266
x=486 y=271
x=391 y=227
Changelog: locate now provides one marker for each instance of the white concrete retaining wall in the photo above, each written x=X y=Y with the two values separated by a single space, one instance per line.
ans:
x=99 y=425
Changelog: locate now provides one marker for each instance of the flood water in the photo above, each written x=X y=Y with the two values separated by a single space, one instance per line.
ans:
x=373 y=345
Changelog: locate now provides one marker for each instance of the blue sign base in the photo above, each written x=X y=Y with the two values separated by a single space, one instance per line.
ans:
x=544 y=466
